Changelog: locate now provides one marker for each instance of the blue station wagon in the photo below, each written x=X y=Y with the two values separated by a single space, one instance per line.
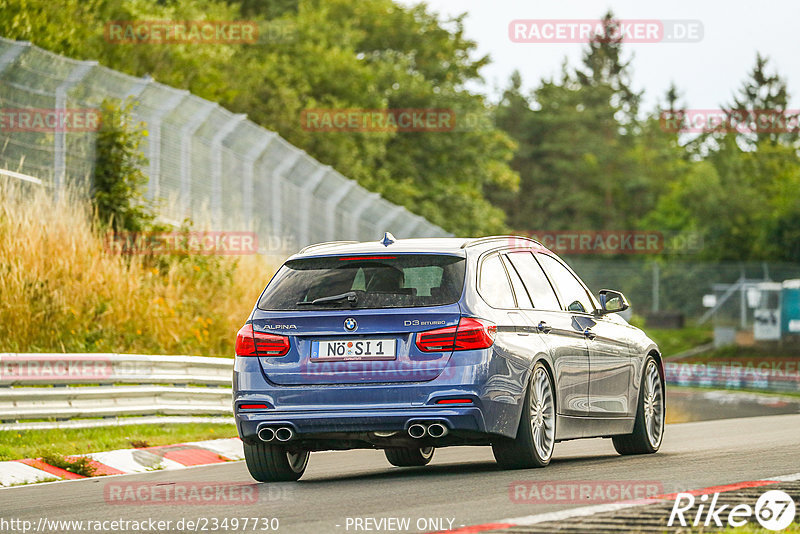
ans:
x=412 y=344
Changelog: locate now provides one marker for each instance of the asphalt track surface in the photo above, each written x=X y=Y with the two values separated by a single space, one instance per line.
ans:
x=462 y=485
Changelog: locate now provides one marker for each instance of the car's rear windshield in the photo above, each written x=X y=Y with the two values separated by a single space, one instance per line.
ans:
x=376 y=281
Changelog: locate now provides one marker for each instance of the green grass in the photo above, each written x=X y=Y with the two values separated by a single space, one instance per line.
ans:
x=15 y=444
x=672 y=342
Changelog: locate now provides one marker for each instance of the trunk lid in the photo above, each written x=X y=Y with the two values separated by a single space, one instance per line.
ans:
x=355 y=346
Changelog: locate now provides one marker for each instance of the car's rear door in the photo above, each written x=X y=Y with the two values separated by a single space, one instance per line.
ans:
x=610 y=362
x=561 y=333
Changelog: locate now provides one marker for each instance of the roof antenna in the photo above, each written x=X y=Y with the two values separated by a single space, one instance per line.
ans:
x=388 y=239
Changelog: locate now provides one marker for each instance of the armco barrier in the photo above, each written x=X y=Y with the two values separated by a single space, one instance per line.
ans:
x=89 y=390
x=44 y=390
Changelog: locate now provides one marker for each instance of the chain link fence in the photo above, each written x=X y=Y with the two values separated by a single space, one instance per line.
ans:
x=712 y=293
x=205 y=163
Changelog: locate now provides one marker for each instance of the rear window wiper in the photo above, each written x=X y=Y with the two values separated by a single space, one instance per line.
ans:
x=350 y=297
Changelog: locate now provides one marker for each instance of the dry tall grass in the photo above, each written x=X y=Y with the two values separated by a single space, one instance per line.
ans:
x=61 y=291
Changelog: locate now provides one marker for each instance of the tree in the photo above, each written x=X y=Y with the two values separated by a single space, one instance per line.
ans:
x=118 y=180
x=762 y=96
x=577 y=139
x=335 y=54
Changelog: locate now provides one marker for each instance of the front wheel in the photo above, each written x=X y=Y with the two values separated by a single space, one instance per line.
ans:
x=648 y=430
x=536 y=435
x=402 y=457
x=271 y=463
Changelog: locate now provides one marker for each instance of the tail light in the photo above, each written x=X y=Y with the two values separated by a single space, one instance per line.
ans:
x=252 y=343
x=468 y=335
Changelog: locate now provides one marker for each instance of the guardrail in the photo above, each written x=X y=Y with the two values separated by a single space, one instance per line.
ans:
x=20 y=176
x=76 y=390
x=90 y=390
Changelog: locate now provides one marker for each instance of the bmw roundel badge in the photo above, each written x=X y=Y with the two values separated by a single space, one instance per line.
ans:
x=350 y=324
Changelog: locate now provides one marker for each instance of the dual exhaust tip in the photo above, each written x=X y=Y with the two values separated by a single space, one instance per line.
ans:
x=282 y=434
x=434 y=430
x=416 y=431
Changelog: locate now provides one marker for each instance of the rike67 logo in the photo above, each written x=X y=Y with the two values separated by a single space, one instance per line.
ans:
x=774 y=510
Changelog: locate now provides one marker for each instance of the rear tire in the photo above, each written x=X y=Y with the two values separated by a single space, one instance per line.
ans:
x=648 y=430
x=533 y=446
x=402 y=457
x=271 y=463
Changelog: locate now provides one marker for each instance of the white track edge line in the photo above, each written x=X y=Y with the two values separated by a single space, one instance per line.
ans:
x=585 y=511
x=571 y=513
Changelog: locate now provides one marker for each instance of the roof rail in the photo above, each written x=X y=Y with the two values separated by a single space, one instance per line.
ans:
x=490 y=238
x=326 y=244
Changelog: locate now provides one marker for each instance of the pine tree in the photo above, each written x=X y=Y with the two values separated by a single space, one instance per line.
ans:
x=762 y=97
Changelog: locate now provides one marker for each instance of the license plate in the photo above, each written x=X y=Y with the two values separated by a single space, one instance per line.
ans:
x=354 y=349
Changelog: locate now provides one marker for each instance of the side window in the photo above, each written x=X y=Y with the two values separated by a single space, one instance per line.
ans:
x=539 y=289
x=493 y=284
x=523 y=300
x=573 y=295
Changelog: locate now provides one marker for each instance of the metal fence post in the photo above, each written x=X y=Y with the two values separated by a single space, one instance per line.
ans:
x=656 y=287
x=216 y=166
x=355 y=216
x=251 y=157
x=304 y=232
x=405 y=230
x=743 y=300
x=187 y=135
x=59 y=139
x=391 y=214
x=333 y=203
x=154 y=143
x=277 y=189
x=11 y=55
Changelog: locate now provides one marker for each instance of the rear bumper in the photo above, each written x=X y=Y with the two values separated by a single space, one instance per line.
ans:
x=468 y=418
x=340 y=412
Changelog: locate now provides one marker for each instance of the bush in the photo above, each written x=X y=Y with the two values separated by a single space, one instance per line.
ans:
x=80 y=465
x=118 y=178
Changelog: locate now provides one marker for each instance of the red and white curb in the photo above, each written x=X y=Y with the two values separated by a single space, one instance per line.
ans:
x=585 y=511
x=124 y=461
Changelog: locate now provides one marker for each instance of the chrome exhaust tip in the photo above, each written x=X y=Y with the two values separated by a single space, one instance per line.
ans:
x=266 y=434
x=437 y=430
x=417 y=430
x=380 y=434
x=284 y=433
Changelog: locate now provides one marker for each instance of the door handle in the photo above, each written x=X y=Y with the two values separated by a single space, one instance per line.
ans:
x=543 y=328
x=589 y=334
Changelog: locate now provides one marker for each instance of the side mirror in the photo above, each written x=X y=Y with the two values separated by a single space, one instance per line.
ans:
x=612 y=302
